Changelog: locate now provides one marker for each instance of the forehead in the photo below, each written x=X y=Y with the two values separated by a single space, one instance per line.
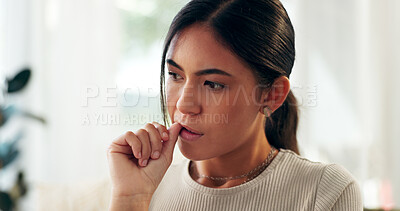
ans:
x=196 y=48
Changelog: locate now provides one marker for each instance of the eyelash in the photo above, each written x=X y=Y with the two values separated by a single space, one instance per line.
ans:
x=221 y=86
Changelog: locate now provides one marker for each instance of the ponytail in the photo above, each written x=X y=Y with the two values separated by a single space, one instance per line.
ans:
x=281 y=126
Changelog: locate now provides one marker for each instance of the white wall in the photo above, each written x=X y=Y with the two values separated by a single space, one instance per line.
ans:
x=70 y=45
x=350 y=51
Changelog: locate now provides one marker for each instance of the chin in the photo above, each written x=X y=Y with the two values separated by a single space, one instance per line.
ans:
x=191 y=152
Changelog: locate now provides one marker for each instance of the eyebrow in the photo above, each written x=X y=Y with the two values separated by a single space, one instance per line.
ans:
x=201 y=72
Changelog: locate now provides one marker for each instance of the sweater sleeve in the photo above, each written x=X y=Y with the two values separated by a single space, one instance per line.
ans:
x=350 y=199
x=337 y=190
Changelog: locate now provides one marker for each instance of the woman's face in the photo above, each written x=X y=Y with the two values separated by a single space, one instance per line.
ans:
x=211 y=91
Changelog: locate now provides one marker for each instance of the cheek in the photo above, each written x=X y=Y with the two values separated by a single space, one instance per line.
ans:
x=235 y=106
x=234 y=116
x=171 y=97
x=242 y=109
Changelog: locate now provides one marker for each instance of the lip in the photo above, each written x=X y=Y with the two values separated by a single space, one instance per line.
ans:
x=188 y=136
x=191 y=129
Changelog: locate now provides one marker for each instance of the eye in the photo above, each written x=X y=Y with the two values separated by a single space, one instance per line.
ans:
x=214 y=86
x=174 y=75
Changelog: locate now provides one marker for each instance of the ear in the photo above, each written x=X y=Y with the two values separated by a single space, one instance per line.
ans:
x=276 y=95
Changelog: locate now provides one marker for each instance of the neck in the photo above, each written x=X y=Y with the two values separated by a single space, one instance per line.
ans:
x=242 y=160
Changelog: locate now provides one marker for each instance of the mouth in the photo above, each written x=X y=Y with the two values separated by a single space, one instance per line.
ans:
x=189 y=134
x=190 y=129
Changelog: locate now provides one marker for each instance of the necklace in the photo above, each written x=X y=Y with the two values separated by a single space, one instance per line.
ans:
x=256 y=170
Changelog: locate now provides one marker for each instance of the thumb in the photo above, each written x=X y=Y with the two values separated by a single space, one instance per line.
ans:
x=169 y=145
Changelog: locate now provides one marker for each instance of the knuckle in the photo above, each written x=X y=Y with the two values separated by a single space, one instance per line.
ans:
x=163 y=127
x=149 y=125
x=108 y=149
x=153 y=131
x=157 y=125
x=129 y=134
x=141 y=131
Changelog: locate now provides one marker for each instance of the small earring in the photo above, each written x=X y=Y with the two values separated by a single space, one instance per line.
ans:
x=267 y=111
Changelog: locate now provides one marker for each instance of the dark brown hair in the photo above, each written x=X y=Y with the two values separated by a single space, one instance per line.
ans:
x=259 y=32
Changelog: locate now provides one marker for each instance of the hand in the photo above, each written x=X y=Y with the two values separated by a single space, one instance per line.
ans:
x=135 y=167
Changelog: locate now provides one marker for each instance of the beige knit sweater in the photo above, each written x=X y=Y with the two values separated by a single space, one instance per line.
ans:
x=290 y=182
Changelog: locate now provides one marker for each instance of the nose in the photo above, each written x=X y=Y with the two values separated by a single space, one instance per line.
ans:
x=189 y=100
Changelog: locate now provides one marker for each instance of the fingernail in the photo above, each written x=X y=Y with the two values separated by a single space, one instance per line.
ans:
x=165 y=135
x=144 y=163
x=156 y=154
x=140 y=155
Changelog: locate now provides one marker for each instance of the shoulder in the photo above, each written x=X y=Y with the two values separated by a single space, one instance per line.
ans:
x=335 y=187
x=305 y=166
x=293 y=164
x=338 y=190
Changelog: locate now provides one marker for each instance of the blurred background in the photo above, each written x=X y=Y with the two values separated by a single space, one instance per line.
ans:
x=76 y=74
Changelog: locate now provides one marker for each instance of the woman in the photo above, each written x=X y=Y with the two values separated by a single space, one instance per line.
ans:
x=234 y=118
